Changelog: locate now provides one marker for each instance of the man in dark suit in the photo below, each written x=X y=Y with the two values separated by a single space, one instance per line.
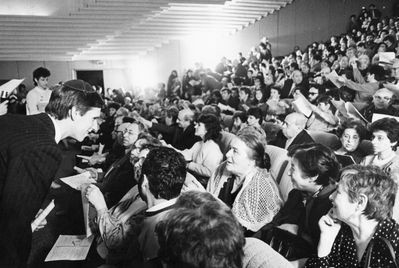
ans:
x=296 y=82
x=30 y=157
x=294 y=131
x=185 y=138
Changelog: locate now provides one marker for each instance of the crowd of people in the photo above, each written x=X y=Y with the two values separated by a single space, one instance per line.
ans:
x=262 y=162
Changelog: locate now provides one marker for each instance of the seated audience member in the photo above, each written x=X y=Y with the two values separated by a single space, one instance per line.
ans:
x=351 y=133
x=294 y=131
x=244 y=183
x=260 y=100
x=189 y=230
x=382 y=104
x=375 y=74
x=186 y=137
x=385 y=137
x=229 y=100
x=290 y=85
x=239 y=121
x=322 y=118
x=204 y=157
x=359 y=226
x=39 y=96
x=254 y=121
x=314 y=92
x=117 y=179
x=276 y=105
x=169 y=130
x=294 y=230
x=245 y=98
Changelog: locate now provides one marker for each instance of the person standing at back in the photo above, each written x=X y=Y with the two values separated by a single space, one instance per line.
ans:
x=30 y=157
x=39 y=96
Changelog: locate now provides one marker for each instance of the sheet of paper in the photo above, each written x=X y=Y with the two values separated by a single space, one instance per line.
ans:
x=380 y=116
x=87 y=213
x=302 y=106
x=353 y=112
x=78 y=181
x=11 y=85
x=70 y=247
x=386 y=57
x=42 y=215
x=333 y=77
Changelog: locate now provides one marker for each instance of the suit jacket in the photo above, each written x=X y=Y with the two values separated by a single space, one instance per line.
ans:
x=168 y=132
x=302 y=138
x=286 y=89
x=29 y=159
x=186 y=139
x=118 y=180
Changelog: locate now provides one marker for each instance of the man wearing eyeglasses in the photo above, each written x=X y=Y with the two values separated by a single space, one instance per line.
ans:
x=314 y=93
x=382 y=104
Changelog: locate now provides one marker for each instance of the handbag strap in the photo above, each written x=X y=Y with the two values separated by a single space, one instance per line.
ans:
x=389 y=246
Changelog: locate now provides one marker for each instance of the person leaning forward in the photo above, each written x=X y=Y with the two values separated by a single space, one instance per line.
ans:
x=30 y=157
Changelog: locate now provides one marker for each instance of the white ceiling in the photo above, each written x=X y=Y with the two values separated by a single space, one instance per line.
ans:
x=115 y=29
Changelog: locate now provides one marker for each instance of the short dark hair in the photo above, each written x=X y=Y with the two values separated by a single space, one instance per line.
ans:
x=212 y=126
x=165 y=170
x=354 y=124
x=73 y=93
x=240 y=114
x=114 y=105
x=203 y=234
x=378 y=71
x=247 y=90
x=388 y=125
x=257 y=113
x=173 y=113
x=40 y=72
x=316 y=160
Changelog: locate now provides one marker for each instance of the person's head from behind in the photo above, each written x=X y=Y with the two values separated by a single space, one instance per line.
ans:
x=293 y=124
x=255 y=116
x=363 y=191
x=385 y=135
x=171 y=115
x=382 y=99
x=239 y=118
x=351 y=133
x=312 y=166
x=185 y=118
x=200 y=232
x=40 y=77
x=162 y=175
x=77 y=104
x=247 y=151
x=375 y=73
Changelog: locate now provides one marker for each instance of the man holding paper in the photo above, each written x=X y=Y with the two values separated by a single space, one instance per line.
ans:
x=30 y=157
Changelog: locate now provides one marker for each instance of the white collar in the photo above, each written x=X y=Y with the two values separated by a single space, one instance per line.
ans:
x=162 y=205
x=57 y=129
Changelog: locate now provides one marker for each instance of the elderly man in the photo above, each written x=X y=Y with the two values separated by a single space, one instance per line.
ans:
x=394 y=86
x=294 y=130
x=30 y=158
x=186 y=136
x=296 y=82
x=382 y=104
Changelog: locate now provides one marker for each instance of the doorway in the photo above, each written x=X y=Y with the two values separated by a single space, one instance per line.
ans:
x=94 y=78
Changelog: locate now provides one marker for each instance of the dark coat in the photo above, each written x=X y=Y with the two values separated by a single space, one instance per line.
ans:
x=29 y=159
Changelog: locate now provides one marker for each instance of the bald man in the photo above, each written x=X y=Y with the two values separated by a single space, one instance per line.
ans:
x=294 y=130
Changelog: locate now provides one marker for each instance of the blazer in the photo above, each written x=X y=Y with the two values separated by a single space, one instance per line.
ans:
x=29 y=159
